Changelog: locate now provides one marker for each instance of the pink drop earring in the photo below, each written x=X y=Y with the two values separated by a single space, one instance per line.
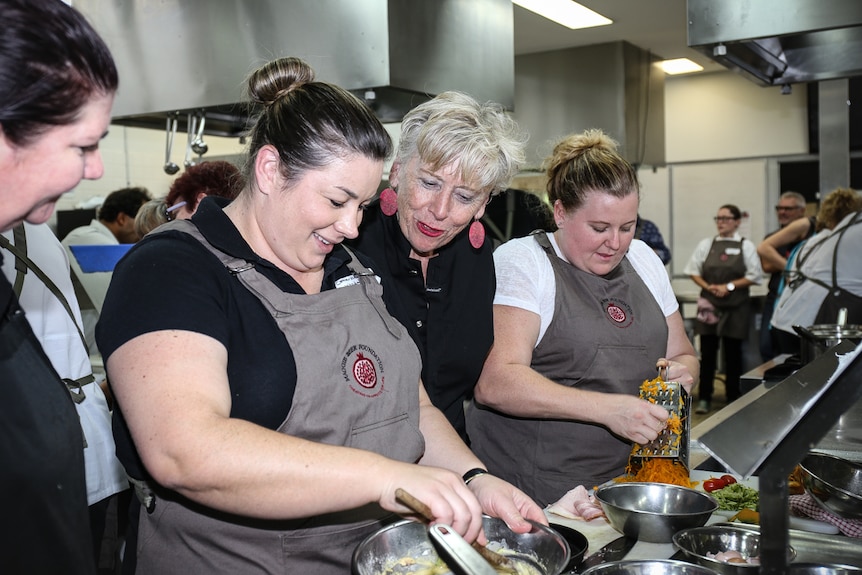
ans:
x=476 y=234
x=388 y=202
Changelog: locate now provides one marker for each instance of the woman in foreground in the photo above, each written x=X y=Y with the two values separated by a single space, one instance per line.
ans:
x=582 y=316
x=269 y=409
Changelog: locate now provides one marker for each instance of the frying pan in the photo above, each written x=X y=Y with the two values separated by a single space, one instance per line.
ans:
x=577 y=543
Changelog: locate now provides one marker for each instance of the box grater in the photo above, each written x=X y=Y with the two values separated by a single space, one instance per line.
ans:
x=669 y=444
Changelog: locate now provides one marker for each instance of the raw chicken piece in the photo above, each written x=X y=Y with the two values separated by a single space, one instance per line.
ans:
x=577 y=504
x=731 y=556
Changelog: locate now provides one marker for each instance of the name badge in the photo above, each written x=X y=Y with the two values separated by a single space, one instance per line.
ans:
x=732 y=251
x=346 y=281
x=351 y=280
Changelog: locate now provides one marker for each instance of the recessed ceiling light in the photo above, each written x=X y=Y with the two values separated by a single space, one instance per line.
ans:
x=565 y=12
x=679 y=66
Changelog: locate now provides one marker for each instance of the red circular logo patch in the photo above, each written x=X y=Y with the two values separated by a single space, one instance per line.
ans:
x=618 y=312
x=363 y=371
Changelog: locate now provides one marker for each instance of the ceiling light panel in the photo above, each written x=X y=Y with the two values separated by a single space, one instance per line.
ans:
x=566 y=12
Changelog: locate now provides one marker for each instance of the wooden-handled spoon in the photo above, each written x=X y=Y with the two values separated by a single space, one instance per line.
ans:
x=498 y=561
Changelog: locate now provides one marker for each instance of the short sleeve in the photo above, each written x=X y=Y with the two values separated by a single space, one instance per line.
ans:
x=174 y=283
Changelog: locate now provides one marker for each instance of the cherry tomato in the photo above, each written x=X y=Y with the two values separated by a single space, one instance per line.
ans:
x=712 y=484
x=728 y=480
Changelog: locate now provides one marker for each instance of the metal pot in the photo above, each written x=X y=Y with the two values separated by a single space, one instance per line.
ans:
x=819 y=337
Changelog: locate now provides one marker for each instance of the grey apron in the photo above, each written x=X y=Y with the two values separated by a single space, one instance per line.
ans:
x=606 y=335
x=357 y=386
x=723 y=263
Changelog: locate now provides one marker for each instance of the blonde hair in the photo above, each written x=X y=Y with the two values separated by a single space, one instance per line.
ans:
x=836 y=206
x=483 y=141
x=151 y=215
x=585 y=163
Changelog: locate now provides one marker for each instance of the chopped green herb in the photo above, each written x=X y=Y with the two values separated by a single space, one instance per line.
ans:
x=736 y=497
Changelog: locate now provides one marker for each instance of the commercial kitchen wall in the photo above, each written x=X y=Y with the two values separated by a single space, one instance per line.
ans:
x=725 y=137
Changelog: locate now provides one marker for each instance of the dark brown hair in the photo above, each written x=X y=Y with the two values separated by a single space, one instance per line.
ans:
x=309 y=122
x=52 y=62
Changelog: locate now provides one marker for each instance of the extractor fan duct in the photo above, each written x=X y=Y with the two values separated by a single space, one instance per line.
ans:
x=780 y=42
x=187 y=56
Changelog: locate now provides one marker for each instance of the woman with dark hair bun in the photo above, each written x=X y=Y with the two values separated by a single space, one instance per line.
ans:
x=57 y=85
x=270 y=407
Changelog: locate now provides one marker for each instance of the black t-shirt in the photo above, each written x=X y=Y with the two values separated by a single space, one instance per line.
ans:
x=171 y=281
x=42 y=482
x=448 y=314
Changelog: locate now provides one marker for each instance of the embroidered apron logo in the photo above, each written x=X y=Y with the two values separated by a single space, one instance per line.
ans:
x=619 y=312
x=364 y=376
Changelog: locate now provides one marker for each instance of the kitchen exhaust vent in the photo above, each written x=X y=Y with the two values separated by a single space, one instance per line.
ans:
x=780 y=42
x=192 y=56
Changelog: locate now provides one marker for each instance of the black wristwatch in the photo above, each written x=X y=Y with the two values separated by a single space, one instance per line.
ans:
x=473 y=474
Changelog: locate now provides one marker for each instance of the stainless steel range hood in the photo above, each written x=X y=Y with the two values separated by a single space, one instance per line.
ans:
x=191 y=55
x=777 y=42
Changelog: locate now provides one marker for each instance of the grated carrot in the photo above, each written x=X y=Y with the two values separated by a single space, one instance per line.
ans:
x=658 y=470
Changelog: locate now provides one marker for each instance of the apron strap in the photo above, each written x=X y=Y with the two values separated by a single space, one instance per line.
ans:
x=19 y=250
x=256 y=283
x=369 y=283
x=19 y=236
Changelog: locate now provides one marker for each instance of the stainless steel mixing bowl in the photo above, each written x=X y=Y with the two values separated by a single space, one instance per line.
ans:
x=542 y=547
x=649 y=567
x=697 y=542
x=654 y=511
x=834 y=483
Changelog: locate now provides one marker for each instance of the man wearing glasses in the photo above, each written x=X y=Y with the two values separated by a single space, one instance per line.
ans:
x=790 y=207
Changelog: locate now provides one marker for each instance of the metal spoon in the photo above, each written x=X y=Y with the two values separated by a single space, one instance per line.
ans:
x=200 y=147
x=191 y=122
x=170 y=131
x=491 y=558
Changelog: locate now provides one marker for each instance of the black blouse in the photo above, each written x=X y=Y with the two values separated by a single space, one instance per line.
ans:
x=448 y=314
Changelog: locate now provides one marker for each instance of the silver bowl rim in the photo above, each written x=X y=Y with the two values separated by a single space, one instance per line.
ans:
x=727 y=528
x=850 y=494
x=673 y=562
x=668 y=486
x=400 y=522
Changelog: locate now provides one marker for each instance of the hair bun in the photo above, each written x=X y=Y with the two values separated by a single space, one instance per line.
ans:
x=276 y=79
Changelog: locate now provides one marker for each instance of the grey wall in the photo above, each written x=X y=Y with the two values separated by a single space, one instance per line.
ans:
x=615 y=87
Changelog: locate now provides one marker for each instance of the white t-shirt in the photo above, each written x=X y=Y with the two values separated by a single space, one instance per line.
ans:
x=753 y=271
x=799 y=305
x=59 y=337
x=525 y=277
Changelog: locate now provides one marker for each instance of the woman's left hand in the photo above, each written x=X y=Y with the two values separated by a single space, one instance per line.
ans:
x=499 y=498
x=676 y=371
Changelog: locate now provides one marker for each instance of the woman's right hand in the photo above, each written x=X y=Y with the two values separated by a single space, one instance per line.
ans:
x=633 y=418
x=450 y=500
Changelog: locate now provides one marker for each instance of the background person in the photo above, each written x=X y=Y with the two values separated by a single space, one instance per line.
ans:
x=36 y=264
x=454 y=154
x=114 y=225
x=648 y=233
x=274 y=442
x=824 y=274
x=210 y=178
x=582 y=316
x=57 y=86
x=773 y=252
x=151 y=215
x=723 y=267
